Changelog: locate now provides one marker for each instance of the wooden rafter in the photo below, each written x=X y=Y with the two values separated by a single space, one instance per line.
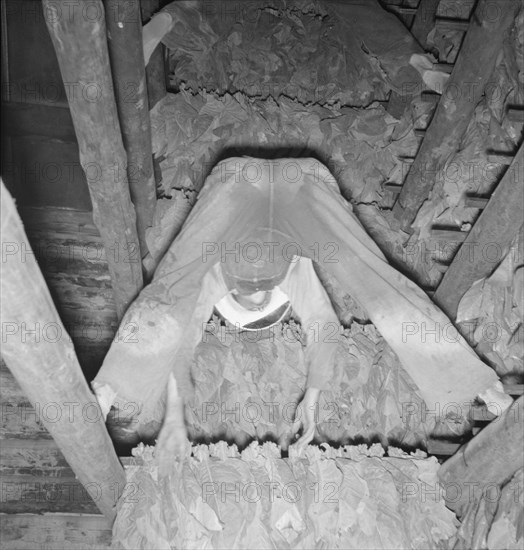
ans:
x=80 y=43
x=488 y=460
x=495 y=228
x=124 y=27
x=41 y=356
x=473 y=68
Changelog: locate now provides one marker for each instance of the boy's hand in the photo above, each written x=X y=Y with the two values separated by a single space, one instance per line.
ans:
x=305 y=418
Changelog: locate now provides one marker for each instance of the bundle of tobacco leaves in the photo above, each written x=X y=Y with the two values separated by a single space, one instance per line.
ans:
x=490 y=313
x=312 y=51
x=352 y=497
x=248 y=386
x=363 y=148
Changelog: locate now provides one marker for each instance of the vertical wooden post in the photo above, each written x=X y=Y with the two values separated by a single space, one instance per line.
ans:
x=40 y=354
x=424 y=21
x=475 y=64
x=156 y=69
x=494 y=230
x=124 y=30
x=80 y=41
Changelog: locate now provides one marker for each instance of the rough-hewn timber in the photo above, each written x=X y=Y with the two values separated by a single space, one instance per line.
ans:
x=489 y=239
x=81 y=48
x=473 y=68
x=486 y=462
x=124 y=26
x=39 y=353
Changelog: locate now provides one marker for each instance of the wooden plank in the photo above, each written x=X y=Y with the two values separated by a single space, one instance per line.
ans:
x=18 y=415
x=489 y=239
x=514 y=389
x=444 y=67
x=48 y=491
x=488 y=460
x=442 y=448
x=47 y=369
x=430 y=97
x=47 y=452
x=124 y=26
x=481 y=414
x=81 y=47
x=449 y=235
x=71 y=255
x=402 y=10
x=476 y=202
x=515 y=115
x=445 y=24
x=55 y=531
x=61 y=220
x=472 y=71
x=500 y=158
x=424 y=21
x=25 y=454
x=393 y=187
x=25 y=119
x=46 y=172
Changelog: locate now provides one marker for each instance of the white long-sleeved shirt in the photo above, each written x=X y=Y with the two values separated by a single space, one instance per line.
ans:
x=309 y=301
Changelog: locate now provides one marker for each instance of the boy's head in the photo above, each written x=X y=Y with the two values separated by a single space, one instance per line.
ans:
x=259 y=266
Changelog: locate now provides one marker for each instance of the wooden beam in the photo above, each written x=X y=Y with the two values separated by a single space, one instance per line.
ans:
x=486 y=461
x=473 y=68
x=424 y=21
x=124 y=28
x=489 y=239
x=40 y=355
x=81 y=48
x=156 y=68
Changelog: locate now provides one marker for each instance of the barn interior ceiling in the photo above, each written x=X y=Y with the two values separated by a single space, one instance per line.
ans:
x=363 y=88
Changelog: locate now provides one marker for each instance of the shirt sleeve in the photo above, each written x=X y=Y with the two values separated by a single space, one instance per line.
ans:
x=319 y=321
x=213 y=289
